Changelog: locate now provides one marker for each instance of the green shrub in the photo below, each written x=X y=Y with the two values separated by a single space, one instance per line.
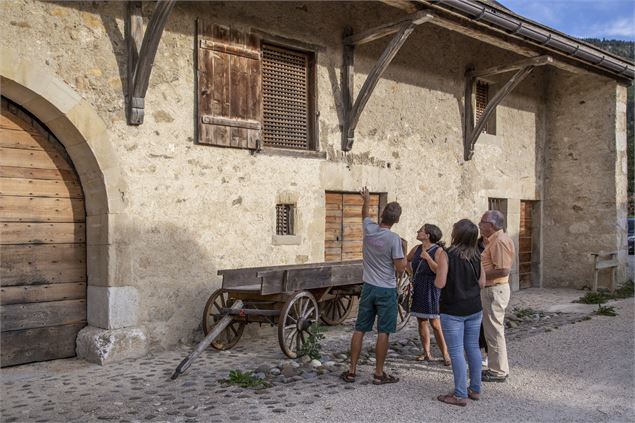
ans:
x=627 y=290
x=602 y=296
x=311 y=346
x=606 y=310
x=599 y=297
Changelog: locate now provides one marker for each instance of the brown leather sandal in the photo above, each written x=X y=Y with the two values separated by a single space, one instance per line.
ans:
x=347 y=376
x=452 y=399
x=384 y=378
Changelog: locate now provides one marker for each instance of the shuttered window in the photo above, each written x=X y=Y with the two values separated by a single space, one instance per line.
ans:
x=252 y=92
x=286 y=84
x=284 y=219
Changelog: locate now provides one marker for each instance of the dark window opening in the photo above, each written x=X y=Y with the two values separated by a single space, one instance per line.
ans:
x=284 y=219
x=483 y=92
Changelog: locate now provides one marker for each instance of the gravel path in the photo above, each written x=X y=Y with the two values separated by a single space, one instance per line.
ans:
x=581 y=372
x=560 y=372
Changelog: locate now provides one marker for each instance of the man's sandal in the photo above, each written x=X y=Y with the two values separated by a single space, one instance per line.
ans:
x=384 y=378
x=348 y=377
x=452 y=399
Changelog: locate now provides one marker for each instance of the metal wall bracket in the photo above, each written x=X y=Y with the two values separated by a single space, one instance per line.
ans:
x=353 y=107
x=471 y=132
x=142 y=49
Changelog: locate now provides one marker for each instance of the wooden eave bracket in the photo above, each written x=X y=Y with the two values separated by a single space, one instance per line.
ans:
x=523 y=68
x=142 y=49
x=353 y=109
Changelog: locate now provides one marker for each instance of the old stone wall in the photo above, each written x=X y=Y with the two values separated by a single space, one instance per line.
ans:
x=192 y=209
x=585 y=177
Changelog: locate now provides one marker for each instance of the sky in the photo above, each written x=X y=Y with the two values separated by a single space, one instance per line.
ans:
x=610 y=19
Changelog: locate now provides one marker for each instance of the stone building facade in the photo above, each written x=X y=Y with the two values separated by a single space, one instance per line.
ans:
x=164 y=212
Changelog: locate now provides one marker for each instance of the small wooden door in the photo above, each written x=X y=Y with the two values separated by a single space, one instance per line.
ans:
x=42 y=243
x=525 y=240
x=344 y=237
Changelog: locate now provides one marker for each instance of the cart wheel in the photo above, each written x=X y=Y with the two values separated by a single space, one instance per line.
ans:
x=404 y=300
x=212 y=314
x=336 y=310
x=296 y=317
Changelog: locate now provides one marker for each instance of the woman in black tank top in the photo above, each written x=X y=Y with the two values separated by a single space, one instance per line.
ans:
x=460 y=276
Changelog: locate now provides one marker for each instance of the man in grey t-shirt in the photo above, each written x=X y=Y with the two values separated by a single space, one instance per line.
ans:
x=384 y=252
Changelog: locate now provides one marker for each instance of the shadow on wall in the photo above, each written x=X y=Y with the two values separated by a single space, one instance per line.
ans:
x=174 y=273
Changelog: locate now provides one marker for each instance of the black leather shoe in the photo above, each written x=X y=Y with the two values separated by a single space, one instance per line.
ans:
x=488 y=376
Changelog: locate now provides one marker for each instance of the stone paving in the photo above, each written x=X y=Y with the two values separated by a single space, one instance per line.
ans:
x=141 y=390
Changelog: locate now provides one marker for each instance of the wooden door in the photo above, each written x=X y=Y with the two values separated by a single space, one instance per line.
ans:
x=42 y=243
x=343 y=237
x=525 y=244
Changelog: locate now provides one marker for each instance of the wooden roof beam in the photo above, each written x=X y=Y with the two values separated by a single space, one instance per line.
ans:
x=534 y=61
x=387 y=29
x=353 y=107
x=406 y=5
x=471 y=132
x=142 y=49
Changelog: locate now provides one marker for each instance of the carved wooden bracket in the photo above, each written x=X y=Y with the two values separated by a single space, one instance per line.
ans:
x=352 y=110
x=471 y=132
x=142 y=48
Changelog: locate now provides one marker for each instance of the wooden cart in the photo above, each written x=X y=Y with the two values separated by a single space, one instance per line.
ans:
x=293 y=297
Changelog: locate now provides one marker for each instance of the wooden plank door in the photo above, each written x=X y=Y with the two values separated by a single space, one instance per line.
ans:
x=525 y=245
x=343 y=232
x=42 y=243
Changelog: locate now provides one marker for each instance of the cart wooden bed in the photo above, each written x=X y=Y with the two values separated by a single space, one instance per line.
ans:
x=293 y=297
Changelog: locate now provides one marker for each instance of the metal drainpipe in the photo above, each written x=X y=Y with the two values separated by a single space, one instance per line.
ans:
x=480 y=12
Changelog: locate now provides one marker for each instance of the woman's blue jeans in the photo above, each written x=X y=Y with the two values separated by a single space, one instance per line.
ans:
x=461 y=334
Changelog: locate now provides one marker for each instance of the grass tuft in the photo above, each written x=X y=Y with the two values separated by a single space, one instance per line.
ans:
x=521 y=312
x=243 y=379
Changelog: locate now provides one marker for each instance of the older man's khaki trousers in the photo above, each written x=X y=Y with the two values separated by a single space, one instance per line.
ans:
x=495 y=299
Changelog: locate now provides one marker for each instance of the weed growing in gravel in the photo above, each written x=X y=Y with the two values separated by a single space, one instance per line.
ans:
x=311 y=346
x=602 y=296
x=243 y=379
x=521 y=312
x=605 y=311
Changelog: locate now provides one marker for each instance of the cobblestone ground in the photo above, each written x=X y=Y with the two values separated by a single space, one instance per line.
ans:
x=141 y=390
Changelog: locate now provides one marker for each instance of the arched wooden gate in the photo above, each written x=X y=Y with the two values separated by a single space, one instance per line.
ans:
x=42 y=243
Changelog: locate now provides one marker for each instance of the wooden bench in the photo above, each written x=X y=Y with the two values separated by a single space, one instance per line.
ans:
x=605 y=261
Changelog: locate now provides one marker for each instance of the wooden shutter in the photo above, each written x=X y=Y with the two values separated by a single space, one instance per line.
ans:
x=286 y=97
x=343 y=230
x=229 y=87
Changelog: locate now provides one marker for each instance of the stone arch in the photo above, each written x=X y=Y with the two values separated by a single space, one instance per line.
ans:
x=111 y=305
x=84 y=135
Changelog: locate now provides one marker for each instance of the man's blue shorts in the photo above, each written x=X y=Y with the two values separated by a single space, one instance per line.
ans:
x=377 y=302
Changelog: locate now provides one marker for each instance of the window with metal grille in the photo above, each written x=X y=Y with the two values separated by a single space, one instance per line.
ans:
x=284 y=219
x=482 y=99
x=286 y=87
